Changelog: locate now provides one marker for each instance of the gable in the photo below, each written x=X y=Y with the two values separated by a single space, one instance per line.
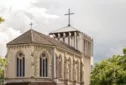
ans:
x=35 y=37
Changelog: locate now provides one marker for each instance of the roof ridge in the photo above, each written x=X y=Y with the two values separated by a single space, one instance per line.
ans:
x=16 y=37
x=56 y=41
x=31 y=35
x=43 y=35
x=63 y=28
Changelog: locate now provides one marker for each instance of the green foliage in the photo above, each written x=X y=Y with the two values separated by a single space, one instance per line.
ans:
x=124 y=51
x=1 y=19
x=3 y=63
x=110 y=72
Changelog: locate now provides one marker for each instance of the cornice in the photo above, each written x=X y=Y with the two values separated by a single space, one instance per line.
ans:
x=69 y=52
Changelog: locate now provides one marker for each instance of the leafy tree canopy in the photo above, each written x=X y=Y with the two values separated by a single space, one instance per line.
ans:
x=111 y=71
x=1 y=19
x=3 y=62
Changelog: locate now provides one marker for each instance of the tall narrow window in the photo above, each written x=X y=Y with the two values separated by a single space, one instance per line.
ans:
x=44 y=65
x=69 y=68
x=78 y=71
x=57 y=67
x=74 y=71
x=60 y=66
x=65 y=68
x=20 y=62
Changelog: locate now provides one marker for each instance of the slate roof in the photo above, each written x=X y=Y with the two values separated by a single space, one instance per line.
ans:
x=32 y=36
x=31 y=83
x=65 y=29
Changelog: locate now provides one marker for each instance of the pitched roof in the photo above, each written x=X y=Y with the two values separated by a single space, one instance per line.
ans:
x=31 y=83
x=65 y=29
x=33 y=36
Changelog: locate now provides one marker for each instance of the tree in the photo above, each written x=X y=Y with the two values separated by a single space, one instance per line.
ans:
x=1 y=19
x=111 y=71
x=3 y=63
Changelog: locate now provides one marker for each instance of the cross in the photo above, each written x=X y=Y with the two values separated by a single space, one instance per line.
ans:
x=31 y=24
x=69 y=16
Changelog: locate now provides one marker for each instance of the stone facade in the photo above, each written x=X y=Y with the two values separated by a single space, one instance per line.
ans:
x=65 y=67
x=81 y=42
x=32 y=54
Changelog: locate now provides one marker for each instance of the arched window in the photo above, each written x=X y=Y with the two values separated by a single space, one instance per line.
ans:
x=69 y=65
x=74 y=70
x=77 y=67
x=20 y=62
x=60 y=66
x=57 y=66
x=65 y=68
x=44 y=65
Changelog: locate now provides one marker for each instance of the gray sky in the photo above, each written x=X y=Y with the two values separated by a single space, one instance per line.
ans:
x=104 y=20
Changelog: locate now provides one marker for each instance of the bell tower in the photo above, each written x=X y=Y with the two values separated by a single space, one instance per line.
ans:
x=79 y=41
x=67 y=35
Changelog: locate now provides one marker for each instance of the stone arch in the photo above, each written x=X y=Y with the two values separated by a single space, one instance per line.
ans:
x=57 y=65
x=20 y=64
x=45 y=51
x=20 y=53
x=77 y=70
x=65 y=67
x=69 y=68
x=60 y=66
x=44 y=61
x=74 y=70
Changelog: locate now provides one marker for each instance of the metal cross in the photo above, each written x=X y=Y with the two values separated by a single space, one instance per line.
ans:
x=69 y=16
x=31 y=24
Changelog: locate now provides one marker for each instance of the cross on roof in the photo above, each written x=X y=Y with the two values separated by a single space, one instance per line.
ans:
x=69 y=16
x=31 y=24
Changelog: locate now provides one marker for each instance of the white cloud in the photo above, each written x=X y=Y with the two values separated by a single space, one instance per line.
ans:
x=17 y=15
x=16 y=4
x=5 y=37
x=41 y=12
x=102 y=19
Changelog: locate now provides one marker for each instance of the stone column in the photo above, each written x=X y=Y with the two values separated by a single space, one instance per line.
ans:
x=37 y=67
x=92 y=48
x=86 y=47
x=32 y=63
x=69 y=39
x=58 y=36
x=89 y=48
x=75 y=40
x=64 y=35
x=73 y=44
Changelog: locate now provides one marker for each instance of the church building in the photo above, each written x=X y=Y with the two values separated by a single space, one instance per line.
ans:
x=61 y=58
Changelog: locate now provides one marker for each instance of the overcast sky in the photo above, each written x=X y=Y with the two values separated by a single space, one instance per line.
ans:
x=103 y=20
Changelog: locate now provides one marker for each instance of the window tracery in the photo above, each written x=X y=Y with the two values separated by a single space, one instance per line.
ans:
x=44 y=64
x=77 y=68
x=69 y=67
x=60 y=66
x=20 y=62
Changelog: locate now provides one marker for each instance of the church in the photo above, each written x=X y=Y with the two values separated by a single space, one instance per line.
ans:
x=61 y=58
